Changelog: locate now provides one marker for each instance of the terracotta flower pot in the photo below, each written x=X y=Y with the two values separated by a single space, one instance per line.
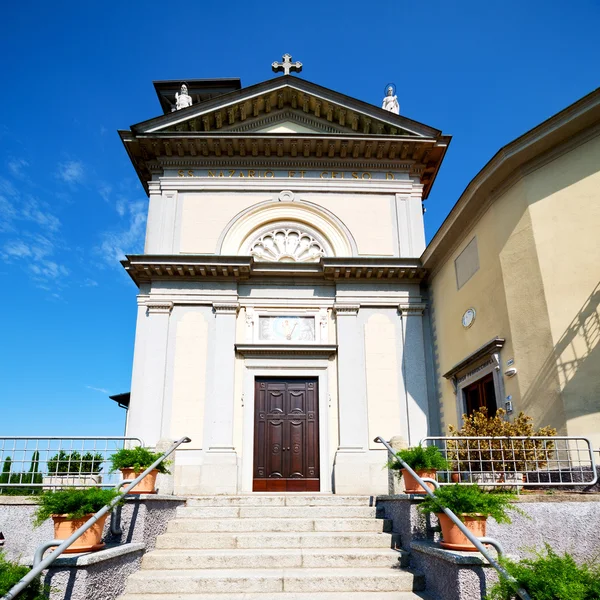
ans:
x=412 y=486
x=91 y=540
x=145 y=486
x=454 y=539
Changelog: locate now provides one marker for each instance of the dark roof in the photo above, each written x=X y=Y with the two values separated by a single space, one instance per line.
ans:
x=122 y=399
x=199 y=89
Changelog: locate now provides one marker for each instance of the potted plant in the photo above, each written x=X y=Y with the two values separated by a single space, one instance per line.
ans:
x=132 y=461
x=424 y=461
x=472 y=506
x=12 y=572
x=496 y=461
x=549 y=575
x=70 y=509
x=74 y=469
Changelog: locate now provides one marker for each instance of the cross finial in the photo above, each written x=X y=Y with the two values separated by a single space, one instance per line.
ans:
x=287 y=65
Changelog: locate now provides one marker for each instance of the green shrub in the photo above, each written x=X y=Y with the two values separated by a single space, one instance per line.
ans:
x=549 y=576
x=138 y=459
x=471 y=500
x=73 y=463
x=11 y=573
x=420 y=459
x=498 y=455
x=74 y=503
x=21 y=477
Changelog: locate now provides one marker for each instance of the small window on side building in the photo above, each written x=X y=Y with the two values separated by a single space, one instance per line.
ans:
x=466 y=263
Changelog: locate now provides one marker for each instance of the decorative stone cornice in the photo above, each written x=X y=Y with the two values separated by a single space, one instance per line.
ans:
x=342 y=310
x=489 y=349
x=186 y=267
x=226 y=308
x=159 y=307
x=372 y=268
x=412 y=309
x=278 y=350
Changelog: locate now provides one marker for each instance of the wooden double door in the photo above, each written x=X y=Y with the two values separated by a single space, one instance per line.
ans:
x=286 y=435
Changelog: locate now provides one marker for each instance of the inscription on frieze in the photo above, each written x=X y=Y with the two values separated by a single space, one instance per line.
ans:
x=285 y=174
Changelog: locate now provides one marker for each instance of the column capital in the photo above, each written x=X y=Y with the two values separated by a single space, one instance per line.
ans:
x=154 y=187
x=346 y=309
x=411 y=309
x=226 y=308
x=154 y=307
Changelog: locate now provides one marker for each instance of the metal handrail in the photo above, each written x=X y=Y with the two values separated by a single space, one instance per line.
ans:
x=40 y=563
x=477 y=542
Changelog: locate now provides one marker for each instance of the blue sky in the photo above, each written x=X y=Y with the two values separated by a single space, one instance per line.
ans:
x=70 y=203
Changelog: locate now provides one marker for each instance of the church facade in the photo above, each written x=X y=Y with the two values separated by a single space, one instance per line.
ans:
x=289 y=311
x=281 y=319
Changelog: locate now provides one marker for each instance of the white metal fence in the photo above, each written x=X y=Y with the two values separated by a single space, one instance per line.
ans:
x=535 y=461
x=29 y=465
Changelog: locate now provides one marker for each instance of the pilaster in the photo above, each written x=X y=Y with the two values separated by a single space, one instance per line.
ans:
x=160 y=227
x=149 y=372
x=154 y=220
x=352 y=382
x=356 y=470
x=219 y=471
x=414 y=371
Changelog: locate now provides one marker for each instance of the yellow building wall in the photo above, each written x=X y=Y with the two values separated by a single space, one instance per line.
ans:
x=506 y=293
x=564 y=199
x=537 y=287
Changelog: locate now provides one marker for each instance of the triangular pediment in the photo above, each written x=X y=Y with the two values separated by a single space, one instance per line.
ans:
x=286 y=105
x=289 y=125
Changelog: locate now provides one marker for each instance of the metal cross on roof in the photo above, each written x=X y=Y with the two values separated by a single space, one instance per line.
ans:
x=287 y=65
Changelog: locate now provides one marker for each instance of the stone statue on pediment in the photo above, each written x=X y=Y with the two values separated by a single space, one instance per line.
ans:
x=390 y=101
x=182 y=98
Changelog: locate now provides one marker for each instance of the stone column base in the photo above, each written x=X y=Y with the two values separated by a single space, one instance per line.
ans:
x=207 y=473
x=360 y=473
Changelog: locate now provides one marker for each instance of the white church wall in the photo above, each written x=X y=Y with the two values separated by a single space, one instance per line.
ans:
x=204 y=216
x=193 y=222
x=384 y=405
x=369 y=217
x=189 y=375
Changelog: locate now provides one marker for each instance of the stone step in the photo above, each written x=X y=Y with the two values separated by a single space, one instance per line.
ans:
x=288 y=500
x=269 y=559
x=285 y=596
x=274 y=512
x=267 y=525
x=218 y=581
x=323 y=539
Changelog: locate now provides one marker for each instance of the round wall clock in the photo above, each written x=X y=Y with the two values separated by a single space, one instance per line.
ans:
x=468 y=318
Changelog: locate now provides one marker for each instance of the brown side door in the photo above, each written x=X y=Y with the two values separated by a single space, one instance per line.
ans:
x=286 y=435
x=479 y=394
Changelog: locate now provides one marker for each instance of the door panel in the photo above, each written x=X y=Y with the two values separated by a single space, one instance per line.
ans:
x=286 y=435
x=296 y=449
x=275 y=448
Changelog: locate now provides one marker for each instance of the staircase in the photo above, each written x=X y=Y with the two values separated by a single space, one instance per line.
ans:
x=267 y=547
